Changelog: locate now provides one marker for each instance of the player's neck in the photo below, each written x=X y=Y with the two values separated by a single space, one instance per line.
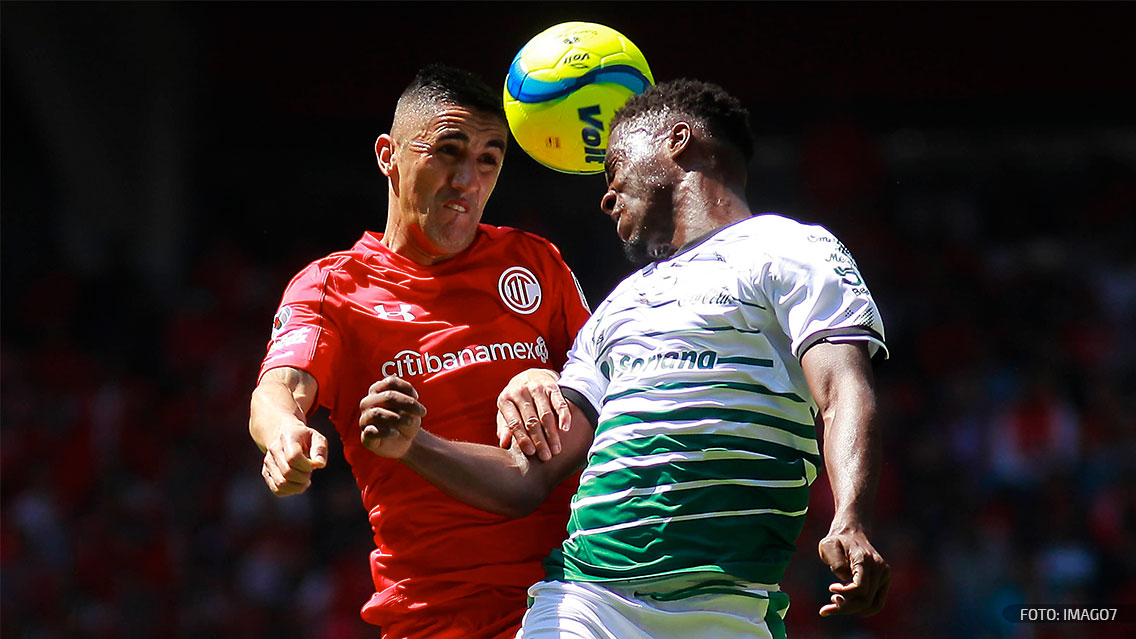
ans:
x=703 y=205
x=406 y=241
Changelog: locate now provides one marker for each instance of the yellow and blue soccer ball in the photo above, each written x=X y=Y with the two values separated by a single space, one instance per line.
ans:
x=564 y=86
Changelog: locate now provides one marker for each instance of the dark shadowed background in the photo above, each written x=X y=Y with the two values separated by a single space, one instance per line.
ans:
x=168 y=167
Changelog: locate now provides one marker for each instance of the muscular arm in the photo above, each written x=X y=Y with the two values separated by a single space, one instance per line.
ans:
x=502 y=481
x=506 y=482
x=840 y=378
x=278 y=425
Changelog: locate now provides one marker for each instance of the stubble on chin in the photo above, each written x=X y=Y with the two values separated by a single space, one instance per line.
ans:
x=636 y=253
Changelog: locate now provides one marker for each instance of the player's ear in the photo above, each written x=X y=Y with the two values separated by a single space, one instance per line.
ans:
x=679 y=138
x=385 y=155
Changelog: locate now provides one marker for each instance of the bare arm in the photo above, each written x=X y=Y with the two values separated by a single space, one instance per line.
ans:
x=502 y=481
x=840 y=378
x=278 y=425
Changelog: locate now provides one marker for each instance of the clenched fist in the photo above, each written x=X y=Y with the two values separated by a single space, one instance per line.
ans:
x=290 y=459
x=389 y=417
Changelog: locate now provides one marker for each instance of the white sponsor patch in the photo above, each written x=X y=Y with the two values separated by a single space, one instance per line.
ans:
x=520 y=290
x=276 y=356
x=290 y=338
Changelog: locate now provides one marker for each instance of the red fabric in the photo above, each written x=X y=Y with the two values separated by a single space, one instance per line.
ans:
x=449 y=331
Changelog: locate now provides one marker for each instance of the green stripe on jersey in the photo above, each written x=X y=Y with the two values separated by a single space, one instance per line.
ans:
x=712 y=466
x=698 y=412
x=753 y=388
x=669 y=448
x=691 y=544
x=595 y=495
x=775 y=614
x=702 y=499
x=749 y=361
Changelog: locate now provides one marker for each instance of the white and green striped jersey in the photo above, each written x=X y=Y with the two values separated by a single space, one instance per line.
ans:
x=704 y=444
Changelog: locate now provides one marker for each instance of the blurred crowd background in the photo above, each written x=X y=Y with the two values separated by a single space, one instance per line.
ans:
x=168 y=167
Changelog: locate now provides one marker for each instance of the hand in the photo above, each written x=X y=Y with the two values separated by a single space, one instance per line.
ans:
x=532 y=411
x=290 y=459
x=863 y=573
x=390 y=416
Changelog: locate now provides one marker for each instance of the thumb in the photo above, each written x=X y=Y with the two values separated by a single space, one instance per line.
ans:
x=319 y=449
x=833 y=553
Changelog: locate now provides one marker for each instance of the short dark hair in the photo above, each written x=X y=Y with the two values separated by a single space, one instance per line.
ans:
x=443 y=83
x=721 y=112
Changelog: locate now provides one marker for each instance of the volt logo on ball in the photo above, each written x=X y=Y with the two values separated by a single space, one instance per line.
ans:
x=591 y=134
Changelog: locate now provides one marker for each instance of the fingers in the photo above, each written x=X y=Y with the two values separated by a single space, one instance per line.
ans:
x=563 y=413
x=532 y=411
x=394 y=398
x=514 y=424
x=832 y=608
x=394 y=383
x=279 y=485
x=390 y=403
x=856 y=582
x=318 y=450
x=880 y=599
x=547 y=421
x=390 y=417
x=293 y=456
x=504 y=435
x=865 y=597
x=865 y=571
x=379 y=416
x=287 y=467
x=534 y=429
x=372 y=434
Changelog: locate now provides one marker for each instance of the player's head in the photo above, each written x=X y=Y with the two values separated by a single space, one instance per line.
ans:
x=658 y=140
x=442 y=158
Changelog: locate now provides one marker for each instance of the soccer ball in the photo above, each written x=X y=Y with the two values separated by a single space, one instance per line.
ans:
x=564 y=86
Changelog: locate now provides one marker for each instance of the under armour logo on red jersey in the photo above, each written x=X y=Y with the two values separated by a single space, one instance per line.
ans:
x=520 y=290
x=402 y=312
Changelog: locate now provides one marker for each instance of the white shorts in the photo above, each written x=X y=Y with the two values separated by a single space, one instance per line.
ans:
x=576 y=610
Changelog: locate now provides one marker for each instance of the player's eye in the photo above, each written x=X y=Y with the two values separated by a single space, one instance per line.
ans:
x=449 y=149
x=489 y=159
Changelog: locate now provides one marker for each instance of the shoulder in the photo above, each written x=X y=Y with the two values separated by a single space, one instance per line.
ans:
x=772 y=228
x=778 y=235
x=330 y=267
x=515 y=240
x=509 y=234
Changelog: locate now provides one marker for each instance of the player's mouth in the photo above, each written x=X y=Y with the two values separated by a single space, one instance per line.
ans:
x=456 y=205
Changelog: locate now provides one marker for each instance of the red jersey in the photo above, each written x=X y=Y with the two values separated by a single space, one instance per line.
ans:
x=458 y=331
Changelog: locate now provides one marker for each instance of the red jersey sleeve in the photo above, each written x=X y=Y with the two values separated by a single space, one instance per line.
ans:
x=303 y=334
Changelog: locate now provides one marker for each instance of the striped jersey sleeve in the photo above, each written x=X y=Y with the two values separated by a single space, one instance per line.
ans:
x=817 y=290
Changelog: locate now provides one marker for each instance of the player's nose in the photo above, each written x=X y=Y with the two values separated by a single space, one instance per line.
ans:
x=465 y=176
